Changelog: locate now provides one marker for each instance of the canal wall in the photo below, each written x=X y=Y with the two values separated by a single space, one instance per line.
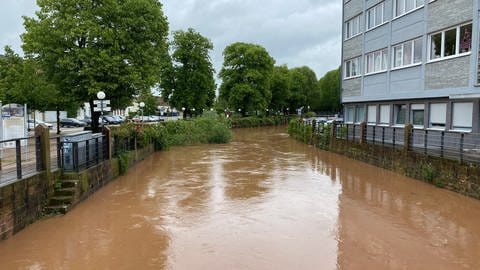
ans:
x=23 y=202
x=462 y=177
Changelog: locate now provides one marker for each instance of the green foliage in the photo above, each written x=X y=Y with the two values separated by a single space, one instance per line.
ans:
x=124 y=161
x=310 y=114
x=253 y=121
x=192 y=82
x=427 y=172
x=87 y=46
x=175 y=133
x=23 y=81
x=280 y=87
x=246 y=75
x=303 y=87
x=329 y=86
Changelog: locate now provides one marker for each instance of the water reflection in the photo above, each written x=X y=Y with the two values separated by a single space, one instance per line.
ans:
x=262 y=202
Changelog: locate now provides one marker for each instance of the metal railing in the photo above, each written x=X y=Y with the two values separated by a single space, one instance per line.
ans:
x=18 y=158
x=80 y=155
x=461 y=146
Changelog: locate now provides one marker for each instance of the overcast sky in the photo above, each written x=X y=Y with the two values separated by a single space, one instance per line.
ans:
x=294 y=32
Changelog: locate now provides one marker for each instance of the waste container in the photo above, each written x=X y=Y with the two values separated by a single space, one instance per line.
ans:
x=74 y=149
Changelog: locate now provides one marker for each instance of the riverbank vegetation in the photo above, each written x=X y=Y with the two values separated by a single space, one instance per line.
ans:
x=173 y=133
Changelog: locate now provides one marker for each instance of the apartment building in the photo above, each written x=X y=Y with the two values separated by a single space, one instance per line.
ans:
x=412 y=61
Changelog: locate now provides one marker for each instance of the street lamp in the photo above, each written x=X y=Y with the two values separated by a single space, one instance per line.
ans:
x=142 y=104
x=193 y=109
x=101 y=96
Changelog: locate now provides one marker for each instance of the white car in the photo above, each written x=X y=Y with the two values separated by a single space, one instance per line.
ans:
x=37 y=122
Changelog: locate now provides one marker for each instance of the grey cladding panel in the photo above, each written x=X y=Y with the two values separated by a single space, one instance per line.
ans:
x=352 y=9
x=352 y=47
x=351 y=87
x=446 y=13
x=452 y=73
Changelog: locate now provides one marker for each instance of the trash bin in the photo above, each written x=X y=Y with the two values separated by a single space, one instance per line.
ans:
x=74 y=158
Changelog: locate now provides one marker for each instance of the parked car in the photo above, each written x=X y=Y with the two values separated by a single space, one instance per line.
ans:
x=71 y=122
x=110 y=120
x=32 y=124
x=87 y=120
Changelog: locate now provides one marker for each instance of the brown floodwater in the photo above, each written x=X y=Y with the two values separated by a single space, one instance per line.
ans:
x=263 y=201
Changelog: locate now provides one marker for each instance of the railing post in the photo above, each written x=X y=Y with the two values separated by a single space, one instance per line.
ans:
x=442 y=141
x=462 y=138
x=18 y=149
x=425 y=142
x=393 y=136
x=373 y=131
x=107 y=142
x=38 y=153
x=42 y=132
x=75 y=155
x=363 y=133
x=346 y=132
x=383 y=135
x=87 y=152
x=353 y=138
x=96 y=151
x=407 y=138
x=59 y=153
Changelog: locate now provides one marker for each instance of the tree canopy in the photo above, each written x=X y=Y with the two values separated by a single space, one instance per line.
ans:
x=192 y=85
x=303 y=87
x=246 y=75
x=280 y=87
x=23 y=81
x=85 y=46
x=329 y=86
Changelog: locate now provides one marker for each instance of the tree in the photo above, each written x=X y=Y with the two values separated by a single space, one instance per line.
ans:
x=329 y=86
x=303 y=87
x=246 y=75
x=23 y=81
x=85 y=46
x=280 y=87
x=193 y=84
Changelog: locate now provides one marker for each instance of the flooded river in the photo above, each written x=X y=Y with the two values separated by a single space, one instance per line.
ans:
x=263 y=201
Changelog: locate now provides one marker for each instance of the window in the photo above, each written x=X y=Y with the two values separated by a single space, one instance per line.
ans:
x=349 y=114
x=438 y=115
x=400 y=114
x=385 y=114
x=451 y=42
x=462 y=116
x=352 y=68
x=375 y=16
x=376 y=61
x=407 y=53
x=359 y=114
x=403 y=6
x=352 y=27
x=372 y=114
x=417 y=115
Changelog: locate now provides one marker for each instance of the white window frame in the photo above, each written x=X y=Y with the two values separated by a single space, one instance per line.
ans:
x=349 y=66
x=414 y=108
x=372 y=114
x=442 y=48
x=373 y=12
x=350 y=25
x=404 y=11
x=401 y=49
x=380 y=55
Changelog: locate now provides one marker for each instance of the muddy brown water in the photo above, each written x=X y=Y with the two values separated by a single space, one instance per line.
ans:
x=263 y=201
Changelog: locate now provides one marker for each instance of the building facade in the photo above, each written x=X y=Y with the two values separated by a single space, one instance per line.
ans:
x=412 y=61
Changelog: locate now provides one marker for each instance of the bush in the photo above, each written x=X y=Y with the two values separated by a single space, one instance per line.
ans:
x=310 y=114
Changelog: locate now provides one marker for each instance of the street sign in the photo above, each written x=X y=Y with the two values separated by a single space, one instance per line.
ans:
x=98 y=102
x=105 y=109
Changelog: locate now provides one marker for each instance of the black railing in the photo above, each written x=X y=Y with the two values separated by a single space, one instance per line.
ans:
x=81 y=155
x=19 y=157
x=462 y=146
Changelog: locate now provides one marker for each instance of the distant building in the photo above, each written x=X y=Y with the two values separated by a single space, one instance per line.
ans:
x=411 y=61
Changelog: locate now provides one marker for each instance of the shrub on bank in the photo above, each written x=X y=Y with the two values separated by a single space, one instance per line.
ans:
x=254 y=121
x=172 y=133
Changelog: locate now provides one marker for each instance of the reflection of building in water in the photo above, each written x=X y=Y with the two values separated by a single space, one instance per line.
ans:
x=387 y=221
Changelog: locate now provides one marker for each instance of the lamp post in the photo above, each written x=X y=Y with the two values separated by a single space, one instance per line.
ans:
x=142 y=104
x=193 y=109
x=101 y=97
x=183 y=113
